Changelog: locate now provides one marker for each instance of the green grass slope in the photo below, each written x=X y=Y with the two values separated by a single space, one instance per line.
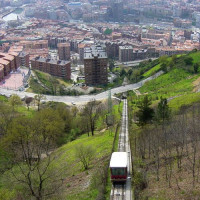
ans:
x=177 y=84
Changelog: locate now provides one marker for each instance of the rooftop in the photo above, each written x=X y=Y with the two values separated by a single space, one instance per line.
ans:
x=125 y=47
x=119 y=159
x=94 y=51
x=51 y=61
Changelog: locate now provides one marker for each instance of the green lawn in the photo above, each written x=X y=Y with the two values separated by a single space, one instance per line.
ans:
x=175 y=83
x=184 y=100
x=165 y=80
x=3 y=98
x=151 y=71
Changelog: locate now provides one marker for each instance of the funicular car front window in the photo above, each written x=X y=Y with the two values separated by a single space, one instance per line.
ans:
x=118 y=171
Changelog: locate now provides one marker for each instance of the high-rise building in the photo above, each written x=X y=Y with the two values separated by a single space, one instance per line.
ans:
x=95 y=66
x=64 y=51
x=125 y=53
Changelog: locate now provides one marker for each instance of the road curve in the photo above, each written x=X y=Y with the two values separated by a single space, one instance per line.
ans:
x=83 y=98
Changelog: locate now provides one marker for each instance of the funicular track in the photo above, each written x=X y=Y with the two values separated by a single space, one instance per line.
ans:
x=122 y=191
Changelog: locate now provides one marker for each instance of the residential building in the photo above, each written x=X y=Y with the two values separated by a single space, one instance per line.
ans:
x=95 y=66
x=24 y=59
x=6 y=66
x=125 y=53
x=64 y=51
x=59 y=68
x=1 y=72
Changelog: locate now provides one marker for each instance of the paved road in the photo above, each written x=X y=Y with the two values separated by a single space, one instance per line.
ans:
x=133 y=63
x=83 y=98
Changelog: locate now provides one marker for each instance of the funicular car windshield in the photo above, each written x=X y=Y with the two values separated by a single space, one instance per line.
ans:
x=118 y=171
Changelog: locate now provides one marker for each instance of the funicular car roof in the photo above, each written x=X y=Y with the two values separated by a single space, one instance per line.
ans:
x=118 y=159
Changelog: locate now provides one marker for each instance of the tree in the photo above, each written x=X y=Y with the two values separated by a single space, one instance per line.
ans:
x=163 y=67
x=163 y=59
x=196 y=68
x=111 y=64
x=91 y=113
x=163 y=111
x=145 y=113
x=6 y=116
x=38 y=98
x=54 y=84
x=188 y=60
x=85 y=154
x=122 y=72
x=15 y=100
x=28 y=100
x=108 y=31
x=29 y=143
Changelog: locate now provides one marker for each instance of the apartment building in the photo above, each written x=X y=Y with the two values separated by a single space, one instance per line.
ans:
x=125 y=53
x=64 y=51
x=59 y=68
x=112 y=49
x=95 y=65
x=9 y=62
x=24 y=59
x=1 y=72
x=36 y=44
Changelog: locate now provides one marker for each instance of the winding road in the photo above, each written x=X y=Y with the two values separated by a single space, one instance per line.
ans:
x=83 y=98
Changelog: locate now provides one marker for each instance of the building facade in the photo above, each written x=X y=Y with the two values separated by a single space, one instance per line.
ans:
x=64 y=51
x=24 y=59
x=9 y=62
x=125 y=53
x=95 y=66
x=59 y=68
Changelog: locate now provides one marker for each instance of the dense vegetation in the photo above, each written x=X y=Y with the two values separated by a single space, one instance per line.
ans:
x=165 y=142
x=31 y=163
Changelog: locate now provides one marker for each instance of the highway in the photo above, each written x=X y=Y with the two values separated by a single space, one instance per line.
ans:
x=123 y=191
x=83 y=98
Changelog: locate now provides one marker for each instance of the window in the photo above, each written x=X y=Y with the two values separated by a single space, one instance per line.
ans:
x=118 y=171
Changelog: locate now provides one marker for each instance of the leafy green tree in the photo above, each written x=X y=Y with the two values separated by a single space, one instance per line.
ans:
x=91 y=113
x=164 y=67
x=163 y=111
x=14 y=101
x=38 y=98
x=123 y=72
x=29 y=142
x=85 y=155
x=108 y=31
x=111 y=64
x=6 y=116
x=54 y=84
x=163 y=59
x=196 y=68
x=188 y=60
x=174 y=59
x=145 y=113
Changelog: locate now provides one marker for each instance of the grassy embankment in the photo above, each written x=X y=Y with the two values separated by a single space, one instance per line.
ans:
x=78 y=184
x=47 y=82
x=178 y=84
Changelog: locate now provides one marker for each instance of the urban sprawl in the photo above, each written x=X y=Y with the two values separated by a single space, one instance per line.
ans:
x=59 y=37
